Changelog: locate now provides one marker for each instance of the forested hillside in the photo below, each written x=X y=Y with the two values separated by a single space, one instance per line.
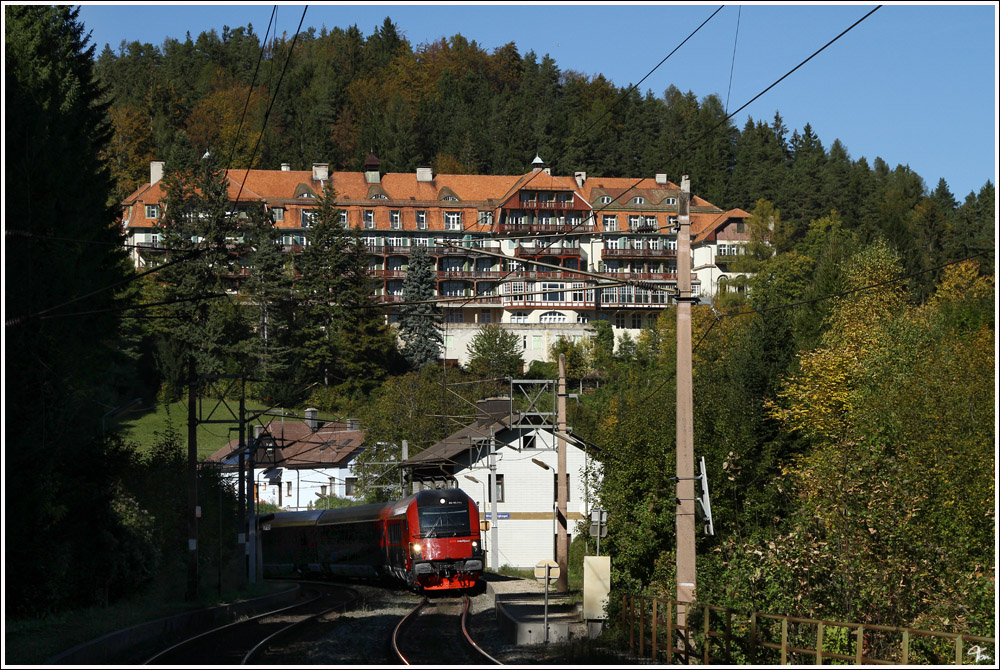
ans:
x=339 y=95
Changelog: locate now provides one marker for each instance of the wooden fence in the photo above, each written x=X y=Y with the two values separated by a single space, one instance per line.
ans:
x=721 y=635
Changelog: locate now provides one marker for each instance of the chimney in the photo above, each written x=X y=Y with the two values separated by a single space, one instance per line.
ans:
x=311 y=421
x=155 y=171
x=353 y=424
x=425 y=173
x=661 y=178
x=537 y=164
x=321 y=171
x=581 y=178
x=372 y=172
x=286 y=167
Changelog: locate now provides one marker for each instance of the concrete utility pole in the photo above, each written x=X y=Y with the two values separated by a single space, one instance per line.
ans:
x=192 y=463
x=241 y=511
x=562 y=544
x=494 y=529
x=685 y=407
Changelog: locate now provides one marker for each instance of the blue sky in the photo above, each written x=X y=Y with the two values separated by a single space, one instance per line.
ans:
x=914 y=83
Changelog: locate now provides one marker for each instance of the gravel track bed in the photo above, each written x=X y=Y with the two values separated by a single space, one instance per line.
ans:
x=362 y=636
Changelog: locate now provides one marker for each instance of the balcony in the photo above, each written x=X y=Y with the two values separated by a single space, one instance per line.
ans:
x=532 y=252
x=528 y=228
x=641 y=276
x=537 y=204
x=638 y=253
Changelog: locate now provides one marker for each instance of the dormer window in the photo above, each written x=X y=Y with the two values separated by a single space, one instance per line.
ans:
x=307 y=195
x=152 y=211
x=379 y=196
x=605 y=199
x=639 y=200
x=670 y=201
x=450 y=198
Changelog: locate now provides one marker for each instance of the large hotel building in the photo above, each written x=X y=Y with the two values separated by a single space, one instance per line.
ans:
x=526 y=251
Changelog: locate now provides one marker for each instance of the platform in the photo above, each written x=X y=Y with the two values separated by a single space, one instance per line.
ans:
x=520 y=610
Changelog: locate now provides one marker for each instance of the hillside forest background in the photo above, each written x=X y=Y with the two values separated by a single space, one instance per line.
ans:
x=844 y=393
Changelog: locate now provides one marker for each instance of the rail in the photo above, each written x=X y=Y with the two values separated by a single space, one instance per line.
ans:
x=721 y=635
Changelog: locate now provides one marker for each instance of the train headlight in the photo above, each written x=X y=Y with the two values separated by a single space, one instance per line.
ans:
x=415 y=549
x=475 y=544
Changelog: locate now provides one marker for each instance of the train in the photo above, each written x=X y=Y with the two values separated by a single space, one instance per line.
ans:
x=429 y=541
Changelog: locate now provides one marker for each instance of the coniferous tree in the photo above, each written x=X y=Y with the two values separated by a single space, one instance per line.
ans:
x=64 y=270
x=420 y=320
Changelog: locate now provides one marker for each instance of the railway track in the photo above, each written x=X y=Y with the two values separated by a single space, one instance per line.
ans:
x=436 y=633
x=241 y=642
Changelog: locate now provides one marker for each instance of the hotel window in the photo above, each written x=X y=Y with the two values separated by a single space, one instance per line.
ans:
x=637 y=320
x=633 y=221
x=371 y=242
x=611 y=243
x=555 y=295
x=398 y=241
x=453 y=220
x=578 y=293
x=485 y=218
x=516 y=290
x=575 y=220
x=582 y=318
x=369 y=218
x=672 y=243
x=519 y=317
x=152 y=211
x=395 y=222
x=454 y=316
x=309 y=218
x=515 y=218
x=650 y=222
x=421 y=241
x=343 y=218
x=740 y=227
x=620 y=319
x=288 y=489
x=350 y=486
x=485 y=316
x=279 y=213
x=421 y=220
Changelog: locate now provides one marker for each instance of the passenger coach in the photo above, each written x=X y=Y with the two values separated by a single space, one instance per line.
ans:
x=429 y=540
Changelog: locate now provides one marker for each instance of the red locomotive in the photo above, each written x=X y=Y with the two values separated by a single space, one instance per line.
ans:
x=429 y=540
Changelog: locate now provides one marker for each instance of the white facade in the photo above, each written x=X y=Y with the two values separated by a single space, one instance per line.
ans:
x=293 y=489
x=525 y=522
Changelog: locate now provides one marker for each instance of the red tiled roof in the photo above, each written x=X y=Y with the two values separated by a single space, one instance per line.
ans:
x=330 y=445
x=703 y=226
x=474 y=192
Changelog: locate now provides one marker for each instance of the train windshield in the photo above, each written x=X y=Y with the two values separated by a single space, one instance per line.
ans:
x=444 y=521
